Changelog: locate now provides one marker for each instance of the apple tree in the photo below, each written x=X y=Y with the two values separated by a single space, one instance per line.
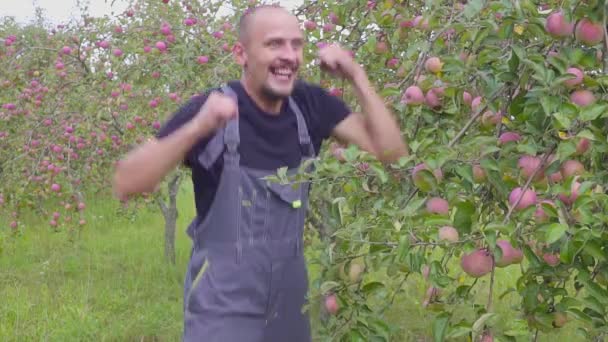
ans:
x=77 y=96
x=503 y=106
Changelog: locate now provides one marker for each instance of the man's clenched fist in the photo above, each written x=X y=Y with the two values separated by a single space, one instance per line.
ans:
x=216 y=112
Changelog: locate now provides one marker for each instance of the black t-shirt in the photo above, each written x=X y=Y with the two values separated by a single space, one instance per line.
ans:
x=266 y=141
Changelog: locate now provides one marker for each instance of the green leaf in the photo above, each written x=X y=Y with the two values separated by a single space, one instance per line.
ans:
x=594 y=249
x=555 y=232
x=372 y=287
x=440 y=325
x=380 y=172
x=458 y=331
x=595 y=290
x=578 y=314
x=403 y=249
x=565 y=149
x=564 y=121
x=592 y=112
x=567 y=251
x=380 y=327
x=466 y=172
x=329 y=286
x=463 y=219
x=355 y=335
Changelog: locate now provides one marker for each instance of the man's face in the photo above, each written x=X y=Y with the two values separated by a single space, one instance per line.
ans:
x=273 y=53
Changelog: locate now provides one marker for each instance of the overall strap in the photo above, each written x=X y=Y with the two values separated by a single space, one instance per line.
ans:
x=222 y=138
x=231 y=133
x=304 y=136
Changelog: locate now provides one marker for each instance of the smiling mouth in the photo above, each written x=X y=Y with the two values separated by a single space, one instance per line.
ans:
x=283 y=73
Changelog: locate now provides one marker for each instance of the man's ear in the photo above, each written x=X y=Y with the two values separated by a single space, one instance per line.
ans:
x=239 y=53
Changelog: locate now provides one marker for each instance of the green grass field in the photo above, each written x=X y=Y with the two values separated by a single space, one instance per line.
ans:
x=113 y=284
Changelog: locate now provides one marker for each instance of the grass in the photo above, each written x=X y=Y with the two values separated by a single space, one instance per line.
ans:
x=112 y=283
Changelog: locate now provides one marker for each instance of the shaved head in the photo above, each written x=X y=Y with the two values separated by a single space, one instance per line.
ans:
x=247 y=19
x=270 y=50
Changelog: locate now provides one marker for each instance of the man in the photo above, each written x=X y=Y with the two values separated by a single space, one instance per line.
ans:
x=247 y=278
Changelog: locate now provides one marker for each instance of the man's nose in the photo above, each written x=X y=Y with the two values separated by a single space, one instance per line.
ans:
x=289 y=53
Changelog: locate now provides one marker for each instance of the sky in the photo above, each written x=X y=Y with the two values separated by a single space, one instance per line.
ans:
x=58 y=11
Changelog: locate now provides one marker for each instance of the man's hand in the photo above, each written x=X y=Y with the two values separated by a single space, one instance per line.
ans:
x=338 y=62
x=216 y=112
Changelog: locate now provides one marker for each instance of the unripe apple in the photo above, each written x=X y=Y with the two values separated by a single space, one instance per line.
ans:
x=448 y=233
x=528 y=198
x=558 y=26
x=579 y=75
x=413 y=96
x=582 y=97
x=433 y=65
x=479 y=175
x=589 y=32
x=560 y=319
x=355 y=271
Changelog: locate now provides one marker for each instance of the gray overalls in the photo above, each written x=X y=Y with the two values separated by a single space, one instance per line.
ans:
x=247 y=278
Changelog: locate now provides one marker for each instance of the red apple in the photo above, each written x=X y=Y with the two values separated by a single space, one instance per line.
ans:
x=478 y=263
x=528 y=198
x=588 y=32
x=578 y=73
x=510 y=255
x=507 y=137
x=557 y=25
x=582 y=97
x=572 y=168
x=413 y=96
x=436 y=205
x=331 y=304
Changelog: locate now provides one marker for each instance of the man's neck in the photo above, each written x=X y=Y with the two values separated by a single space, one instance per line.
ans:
x=268 y=106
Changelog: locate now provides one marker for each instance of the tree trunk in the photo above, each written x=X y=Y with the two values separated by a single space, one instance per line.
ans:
x=170 y=214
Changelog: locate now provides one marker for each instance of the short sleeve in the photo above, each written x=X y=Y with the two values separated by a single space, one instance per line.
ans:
x=330 y=110
x=183 y=115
